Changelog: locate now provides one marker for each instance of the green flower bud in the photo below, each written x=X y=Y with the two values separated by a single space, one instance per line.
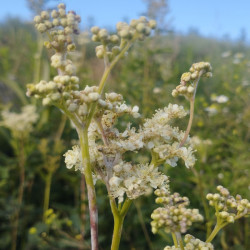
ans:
x=124 y=33
x=95 y=30
x=45 y=15
x=68 y=30
x=41 y=27
x=216 y=197
x=56 y=22
x=133 y=23
x=61 y=38
x=103 y=34
x=100 y=54
x=55 y=96
x=71 y=47
x=62 y=12
x=147 y=31
x=37 y=19
x=114 y=39
x=72 y=107
x=116 y=50
x=142 y=19
x=54 y=14
x=61 y=6
x=230 y=219
x=47 y=45
x=95 y=38
x=64 y=22
x=140 y=27
x=47 y=101
x=152 y=24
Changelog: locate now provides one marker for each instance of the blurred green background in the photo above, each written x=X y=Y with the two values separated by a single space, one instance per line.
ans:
x=145 y=78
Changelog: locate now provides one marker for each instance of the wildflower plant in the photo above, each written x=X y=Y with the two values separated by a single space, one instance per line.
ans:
x=20 y=125
x=174 y=217
x=101 y=153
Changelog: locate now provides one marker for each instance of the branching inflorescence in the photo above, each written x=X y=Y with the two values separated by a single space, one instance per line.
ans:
x=100 y=155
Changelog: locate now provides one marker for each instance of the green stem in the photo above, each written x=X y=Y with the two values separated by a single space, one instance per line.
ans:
x=38 y=56
x=104 y=79
x=22 y=159
x=179 y=239
x=83 y=206
x=217 y=228
x=118 y=221
x=47 y=194
x=203 y=200
x=83 y=136
x=175 y=240
x=125 y=207
x=191 y=116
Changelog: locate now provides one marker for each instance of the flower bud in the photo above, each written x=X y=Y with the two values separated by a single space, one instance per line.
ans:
x=71 y=47
x=152 y=24
x=45 y=15
x=114 y=39
x=46 y=101
x=37 y=19
x=41 y=27
x=54 y=14
x=95 y=30
x=61 y=6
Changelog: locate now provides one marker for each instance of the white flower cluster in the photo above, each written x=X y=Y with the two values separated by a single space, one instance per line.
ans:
x=155 y=135
x=137 y=29
x=135 y=180
x=174 y=216
x=219 y=99
x=60 y=31
x=192 y=244
x=190 y=79
x=228 y=208
x=73 y=158
x=164 y=139
x=20 y=122
x=198 y=142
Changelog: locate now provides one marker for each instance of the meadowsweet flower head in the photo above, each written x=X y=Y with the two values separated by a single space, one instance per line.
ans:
x=192 y=243
x=174 y=216
x=112 y=45
x=220 y=98
x=228 y=208
x=189 y=80
x=20 y=122
x=73 y=158
x=135 y=180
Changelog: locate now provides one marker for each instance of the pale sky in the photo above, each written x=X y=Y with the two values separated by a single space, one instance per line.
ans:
x=211 y=17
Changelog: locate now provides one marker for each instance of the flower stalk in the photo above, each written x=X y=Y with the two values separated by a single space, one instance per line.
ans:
x=93 y=213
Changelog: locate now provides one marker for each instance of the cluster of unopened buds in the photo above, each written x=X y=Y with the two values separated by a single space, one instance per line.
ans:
x=191 y=243
x=189 y=80
x=137 y=29
x=228 y=208
x=54 y=91
x=174 y=216
x=60 y=26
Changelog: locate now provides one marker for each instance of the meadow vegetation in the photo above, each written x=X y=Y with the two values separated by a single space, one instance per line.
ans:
x=142 y=168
